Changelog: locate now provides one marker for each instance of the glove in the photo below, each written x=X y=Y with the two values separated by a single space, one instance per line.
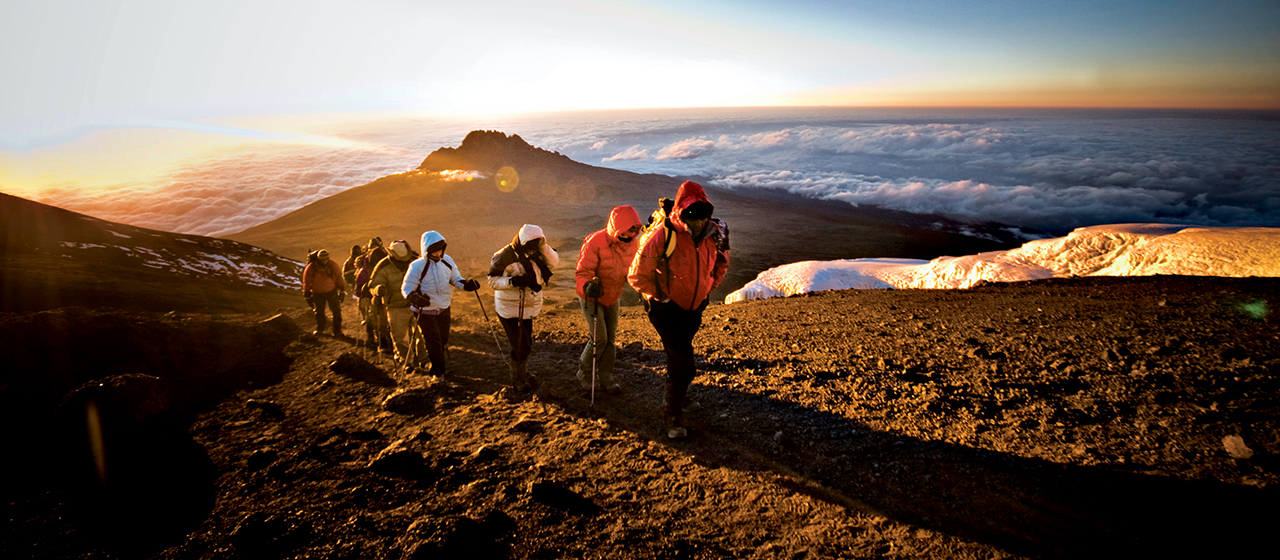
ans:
x=523 y=281
x=418 y=299
x=311 y=300
x=593 y=289
x=471 y=285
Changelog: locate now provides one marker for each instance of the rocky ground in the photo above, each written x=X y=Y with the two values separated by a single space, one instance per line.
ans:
x=1066 y=418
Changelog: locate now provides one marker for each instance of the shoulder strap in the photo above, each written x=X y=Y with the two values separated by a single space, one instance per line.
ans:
x=418 y=287
x=668 y=239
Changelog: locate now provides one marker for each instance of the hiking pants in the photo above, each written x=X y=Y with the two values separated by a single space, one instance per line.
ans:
x=605 y=335
x=334 y=302
x=520 y=335
x=435 y=335
x=395 y=326
x=367 y=317
x=676 y=327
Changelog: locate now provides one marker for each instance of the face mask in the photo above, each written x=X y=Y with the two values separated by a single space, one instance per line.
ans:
x=625 y=238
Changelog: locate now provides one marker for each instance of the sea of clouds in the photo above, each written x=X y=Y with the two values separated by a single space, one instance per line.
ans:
x=1045 y=170
x=1049 y=171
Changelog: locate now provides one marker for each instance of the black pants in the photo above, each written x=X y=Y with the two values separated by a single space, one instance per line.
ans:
x=435 y=335
x=520 y=335
x=334 y=301
x=676 y=327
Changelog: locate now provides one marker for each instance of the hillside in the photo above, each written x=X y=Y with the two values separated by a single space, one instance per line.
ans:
x=164 y=399
x=50 y=258
x=1072 y=418
x=459 y=192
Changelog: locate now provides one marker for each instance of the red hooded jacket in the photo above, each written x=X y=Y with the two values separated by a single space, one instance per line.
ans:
x=322 y=278
x=606 y=257
x=691 y=272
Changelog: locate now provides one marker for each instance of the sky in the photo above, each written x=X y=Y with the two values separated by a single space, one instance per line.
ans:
x=124 y=95
x=77 y=65
x=1110 y=250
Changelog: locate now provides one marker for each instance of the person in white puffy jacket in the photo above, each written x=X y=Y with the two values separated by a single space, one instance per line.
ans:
x=517 y=275
x=428 y=287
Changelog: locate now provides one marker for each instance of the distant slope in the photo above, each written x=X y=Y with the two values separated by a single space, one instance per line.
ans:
x=50 y=257
x=460 y=193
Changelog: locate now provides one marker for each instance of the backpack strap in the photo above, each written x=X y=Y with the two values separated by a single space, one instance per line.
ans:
x=669 y=239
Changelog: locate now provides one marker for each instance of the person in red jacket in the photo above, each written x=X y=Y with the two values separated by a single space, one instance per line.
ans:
x=675 y=269
x=322 y=284
x=603 y=264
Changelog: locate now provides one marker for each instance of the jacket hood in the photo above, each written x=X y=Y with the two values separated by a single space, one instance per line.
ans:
x=430 y=238
x=527 y=232
x=689 y=193
x=621 y=219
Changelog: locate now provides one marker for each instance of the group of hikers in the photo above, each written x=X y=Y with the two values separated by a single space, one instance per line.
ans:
x=673 y=262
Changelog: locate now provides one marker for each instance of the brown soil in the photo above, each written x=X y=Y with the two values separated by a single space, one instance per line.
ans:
x=1065 y=418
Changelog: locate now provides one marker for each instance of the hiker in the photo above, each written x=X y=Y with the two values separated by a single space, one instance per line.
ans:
x=517 y=274
x=660 y=215
x=428 y=287
x=389 y=311
x=322 y=285
x=720 y=235
x=601 y=274
x=675 y=269
x=351 y=265
x=369 y=319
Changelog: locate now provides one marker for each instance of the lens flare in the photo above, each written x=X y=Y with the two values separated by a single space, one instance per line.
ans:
x=507 y=179
x=97 y=444
x=1255 y=309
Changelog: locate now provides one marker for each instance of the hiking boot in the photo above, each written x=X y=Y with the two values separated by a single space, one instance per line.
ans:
x=675 y=428
x=602 y=383
x=688 y=403
x=520 y=376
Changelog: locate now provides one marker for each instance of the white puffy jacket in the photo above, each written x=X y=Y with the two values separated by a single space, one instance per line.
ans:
x=506 y=297
x=436 y=279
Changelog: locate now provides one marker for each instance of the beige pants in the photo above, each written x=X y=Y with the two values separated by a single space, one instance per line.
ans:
x=400 y=317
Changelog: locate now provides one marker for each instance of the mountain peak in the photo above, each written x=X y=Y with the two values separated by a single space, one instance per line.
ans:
x=489 y=151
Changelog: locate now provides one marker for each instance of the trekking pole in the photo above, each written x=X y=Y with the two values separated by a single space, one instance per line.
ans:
x=501 y=352
x=411 y=353
x=595 y=349
x=520 y=325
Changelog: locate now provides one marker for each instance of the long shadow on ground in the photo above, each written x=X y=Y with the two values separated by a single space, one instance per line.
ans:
x=1027 y=506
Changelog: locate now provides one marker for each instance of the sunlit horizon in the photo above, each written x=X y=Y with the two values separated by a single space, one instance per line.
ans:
x=130 y=97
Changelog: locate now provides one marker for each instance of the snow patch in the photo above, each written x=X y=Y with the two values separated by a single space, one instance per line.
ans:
x=1106 y=250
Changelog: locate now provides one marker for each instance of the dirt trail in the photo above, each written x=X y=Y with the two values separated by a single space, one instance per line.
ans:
x=1080 y=418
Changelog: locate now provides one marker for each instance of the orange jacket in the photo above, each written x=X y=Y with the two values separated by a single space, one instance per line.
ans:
x=608 y=258
x=691 y=272
x=315 y=280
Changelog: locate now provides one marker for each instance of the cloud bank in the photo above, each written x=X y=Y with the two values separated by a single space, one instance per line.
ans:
x=1040 y=170
x=1036 y=170
x=234 y=191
